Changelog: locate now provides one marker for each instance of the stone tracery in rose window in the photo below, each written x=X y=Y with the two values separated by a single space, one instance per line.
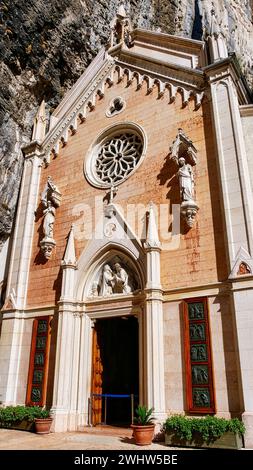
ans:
x=117 y=157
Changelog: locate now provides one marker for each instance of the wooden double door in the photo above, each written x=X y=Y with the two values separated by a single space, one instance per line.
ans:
x=115 y=370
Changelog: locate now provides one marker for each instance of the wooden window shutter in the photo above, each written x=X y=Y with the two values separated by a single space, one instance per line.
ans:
x=39 y=361
x=198 y=357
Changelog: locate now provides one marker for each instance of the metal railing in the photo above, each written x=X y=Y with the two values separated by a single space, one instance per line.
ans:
x=106 y=396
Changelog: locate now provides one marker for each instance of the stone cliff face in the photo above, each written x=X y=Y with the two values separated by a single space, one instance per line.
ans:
x=47 y=44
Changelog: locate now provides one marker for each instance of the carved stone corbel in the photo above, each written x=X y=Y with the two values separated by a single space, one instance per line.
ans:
x=51 y=199
x=184 y=154
x=188 y=212
x=47 y=245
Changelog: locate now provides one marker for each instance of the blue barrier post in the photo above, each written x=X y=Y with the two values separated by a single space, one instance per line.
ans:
x=132 y=408
x=105 y=396
x=105 y=408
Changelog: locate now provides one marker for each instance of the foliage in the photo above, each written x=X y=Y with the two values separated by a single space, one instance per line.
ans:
x=15 y=414
x=208 y=428
x=143 y=415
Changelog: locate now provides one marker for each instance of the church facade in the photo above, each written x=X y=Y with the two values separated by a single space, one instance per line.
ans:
x=131 y=270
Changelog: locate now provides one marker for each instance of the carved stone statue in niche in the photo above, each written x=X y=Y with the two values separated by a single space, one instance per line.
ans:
x=49 y=219
x=184 y=154
x=186 y=180
x=50 y=198
x=111 y=281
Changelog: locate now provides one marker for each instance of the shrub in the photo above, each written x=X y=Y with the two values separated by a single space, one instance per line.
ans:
x=208 y=428
x=143 y=415
x=15 y=414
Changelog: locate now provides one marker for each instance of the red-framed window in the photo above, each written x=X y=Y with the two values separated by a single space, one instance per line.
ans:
x=39 y=361
x=198 y=357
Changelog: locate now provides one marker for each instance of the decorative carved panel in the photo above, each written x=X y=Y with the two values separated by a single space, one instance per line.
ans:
x=114 y=277
x=199 y=376
x=117 y=105
x=115 y=155
x=39 y=358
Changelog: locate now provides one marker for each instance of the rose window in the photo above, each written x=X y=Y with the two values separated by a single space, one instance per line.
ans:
x=117 y=157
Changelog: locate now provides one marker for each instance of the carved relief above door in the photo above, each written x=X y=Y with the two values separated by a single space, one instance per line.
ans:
x=115 y=276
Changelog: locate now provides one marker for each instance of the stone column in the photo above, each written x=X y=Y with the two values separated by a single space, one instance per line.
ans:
x=14 y=338
x=24 y=226
x=84 y=382
x=232 y=163
x=237 y=202
x=63 y=368
x=67 y=351
x=243 y=300
x=154 y=388
x=73 y=413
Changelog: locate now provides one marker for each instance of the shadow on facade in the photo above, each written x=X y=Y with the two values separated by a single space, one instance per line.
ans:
x=212 y=174
x=230 y=355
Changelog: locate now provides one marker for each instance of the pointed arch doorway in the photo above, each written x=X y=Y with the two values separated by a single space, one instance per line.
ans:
x=115 y=370
x=90 y=292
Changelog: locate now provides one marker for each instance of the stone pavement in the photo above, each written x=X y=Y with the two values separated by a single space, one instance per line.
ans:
x=90 y=439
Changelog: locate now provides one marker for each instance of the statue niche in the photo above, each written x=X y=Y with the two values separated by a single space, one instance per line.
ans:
x=113 y=278
x=51 y=199
x=184 y=154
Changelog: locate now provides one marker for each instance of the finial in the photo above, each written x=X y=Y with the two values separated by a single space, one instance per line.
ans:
x=152 y=239
x=214 y=29
x=121 y=11
x=121 y=28
x=39 y=124
x=70 y=255
x=216 y=39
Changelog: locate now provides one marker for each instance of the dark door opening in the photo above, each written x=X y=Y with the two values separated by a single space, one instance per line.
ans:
x=115 y=368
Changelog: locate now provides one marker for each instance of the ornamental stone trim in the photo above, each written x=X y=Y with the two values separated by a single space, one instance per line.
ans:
x=115 y=155
x=112 y=73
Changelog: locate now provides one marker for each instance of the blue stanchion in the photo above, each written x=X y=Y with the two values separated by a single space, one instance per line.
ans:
x=105 y=396
x=110 y=395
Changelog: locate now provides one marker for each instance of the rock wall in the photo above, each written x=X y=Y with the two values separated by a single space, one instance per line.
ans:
x=235 y=18
x=45 y=45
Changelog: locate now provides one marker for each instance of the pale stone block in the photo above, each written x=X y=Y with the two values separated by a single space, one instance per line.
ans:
x=239 y=240
x=7 y=326
x=232 y=172
x=182 y=59
x=248 y=421
x=226 y=132
x=246 y=335
x=233 y=199
x=242 y=299
x=228 y=148
x=221 y=400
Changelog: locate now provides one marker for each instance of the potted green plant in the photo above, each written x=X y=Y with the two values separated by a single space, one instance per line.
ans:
x=42 y=421
x=209 y=431
x=143 y=427
x=17 y=417
x=25 y=418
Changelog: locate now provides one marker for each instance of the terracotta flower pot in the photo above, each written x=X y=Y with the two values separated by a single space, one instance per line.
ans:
x=143 y=435
x=43 y=425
